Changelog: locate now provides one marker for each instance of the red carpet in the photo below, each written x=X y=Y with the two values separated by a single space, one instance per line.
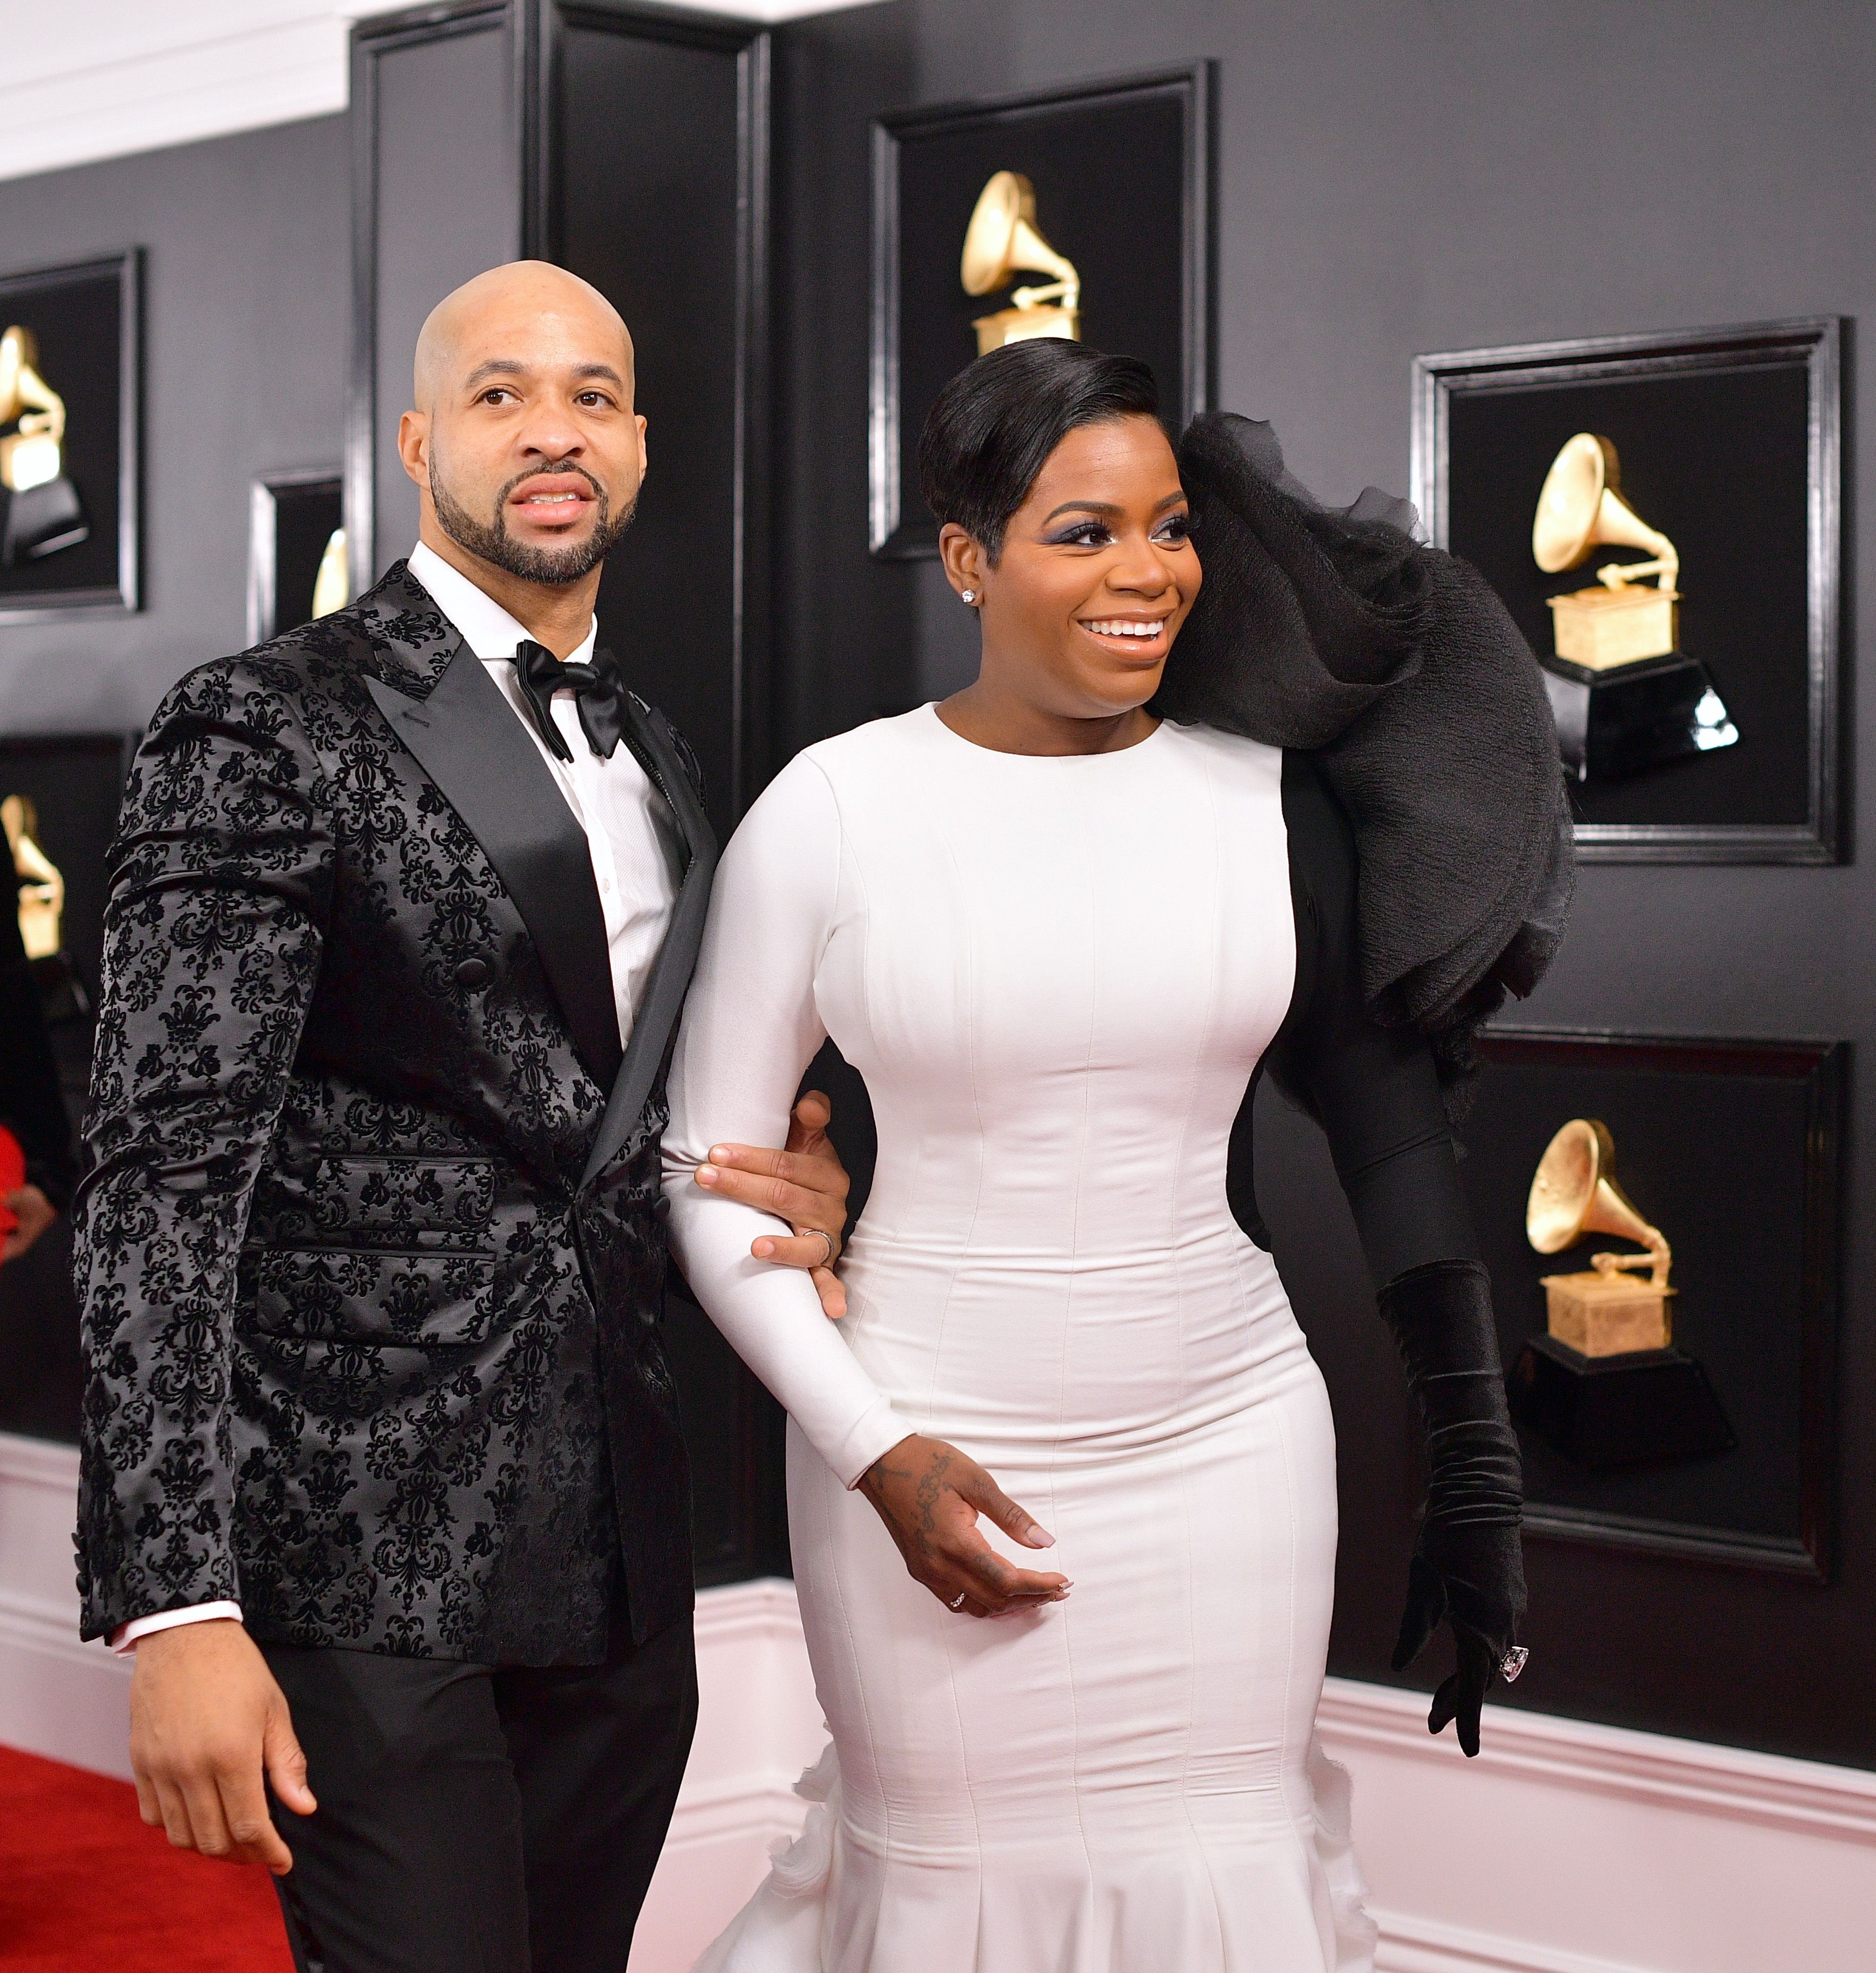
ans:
x=84 y=1885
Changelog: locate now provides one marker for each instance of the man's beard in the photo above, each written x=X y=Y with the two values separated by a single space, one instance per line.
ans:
x=493 y=543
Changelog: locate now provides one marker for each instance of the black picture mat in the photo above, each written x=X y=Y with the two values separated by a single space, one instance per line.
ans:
x=1731 y=1149
x=75 y=781
x=1717 y=461
x=305 y=516
x=1114 y=175
x=78 y=316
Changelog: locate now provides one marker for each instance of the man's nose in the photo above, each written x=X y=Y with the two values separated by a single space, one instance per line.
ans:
x=553 y=432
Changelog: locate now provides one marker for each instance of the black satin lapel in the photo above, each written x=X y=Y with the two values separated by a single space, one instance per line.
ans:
x=656 y=1019
x=472 y=744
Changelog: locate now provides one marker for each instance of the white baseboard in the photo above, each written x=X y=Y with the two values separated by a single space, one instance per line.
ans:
x=57 y=1697
x=1566 y=1847
x=1570 y=1847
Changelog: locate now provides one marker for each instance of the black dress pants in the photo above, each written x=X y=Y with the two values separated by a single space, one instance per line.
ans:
x=478 y=1818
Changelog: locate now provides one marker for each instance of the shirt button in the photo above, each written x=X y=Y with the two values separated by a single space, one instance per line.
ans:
x=473 y=971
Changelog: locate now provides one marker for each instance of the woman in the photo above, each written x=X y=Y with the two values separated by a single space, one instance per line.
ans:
x=1058 y=935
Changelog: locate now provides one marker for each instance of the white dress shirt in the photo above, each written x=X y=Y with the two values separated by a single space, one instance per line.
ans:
x=631 y=835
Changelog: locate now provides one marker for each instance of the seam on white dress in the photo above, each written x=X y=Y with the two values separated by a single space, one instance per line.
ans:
x=1182 y=1456
x=937 y=1349
x=1061 y=1382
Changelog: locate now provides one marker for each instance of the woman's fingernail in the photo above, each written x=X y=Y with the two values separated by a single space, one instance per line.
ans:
x=719 y=1154
x=706 y=1175
x=1043 y=1538
x=764 y=1249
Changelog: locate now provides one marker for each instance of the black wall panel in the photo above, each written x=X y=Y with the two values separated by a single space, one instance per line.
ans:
x=437 y=191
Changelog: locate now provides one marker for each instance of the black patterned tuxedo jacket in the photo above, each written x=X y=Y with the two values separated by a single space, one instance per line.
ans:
x=371 y=1258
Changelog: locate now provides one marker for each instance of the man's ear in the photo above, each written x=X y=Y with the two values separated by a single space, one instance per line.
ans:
x=414 y=445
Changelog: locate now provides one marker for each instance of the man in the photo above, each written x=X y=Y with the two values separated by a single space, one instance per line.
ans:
x=382 y=1476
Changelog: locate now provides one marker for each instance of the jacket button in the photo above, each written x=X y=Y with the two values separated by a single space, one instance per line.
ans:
x=473 y=972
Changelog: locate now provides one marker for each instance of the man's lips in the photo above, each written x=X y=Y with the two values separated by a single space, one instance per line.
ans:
x=553 y=500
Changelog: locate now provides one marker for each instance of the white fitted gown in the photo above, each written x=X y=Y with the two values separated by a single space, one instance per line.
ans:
x=1057 y=976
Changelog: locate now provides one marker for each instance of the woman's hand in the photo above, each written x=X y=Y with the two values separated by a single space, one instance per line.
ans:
x=805 y=1183
x=929 y=1495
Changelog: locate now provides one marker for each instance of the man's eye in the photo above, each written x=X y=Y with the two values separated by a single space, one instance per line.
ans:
x=500 y=392
x=590 y=398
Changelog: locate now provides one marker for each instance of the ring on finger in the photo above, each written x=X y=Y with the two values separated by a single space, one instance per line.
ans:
x=957 y=1601
x=827 y=1239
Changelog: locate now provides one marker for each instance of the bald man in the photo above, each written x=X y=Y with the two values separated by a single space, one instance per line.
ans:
x=383 y=1481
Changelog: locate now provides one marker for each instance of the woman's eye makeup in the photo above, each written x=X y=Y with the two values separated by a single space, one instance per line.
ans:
x=1092 y=533
x=1089 y=534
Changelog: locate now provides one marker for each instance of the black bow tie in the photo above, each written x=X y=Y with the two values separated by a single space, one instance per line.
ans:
x=598 y=696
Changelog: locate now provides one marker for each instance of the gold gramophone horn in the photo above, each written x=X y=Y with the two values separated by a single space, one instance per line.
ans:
x=1581 y=507
x=1575 y=1193
x=1003 y=239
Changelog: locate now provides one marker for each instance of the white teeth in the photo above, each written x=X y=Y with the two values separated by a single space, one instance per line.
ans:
x=1124 y=627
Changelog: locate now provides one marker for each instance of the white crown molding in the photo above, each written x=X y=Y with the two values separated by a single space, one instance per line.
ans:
x=1768 y=1790
x=104 y=78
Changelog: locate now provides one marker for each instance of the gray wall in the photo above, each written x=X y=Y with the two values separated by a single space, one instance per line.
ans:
x=1397 y=176
x=247 y=320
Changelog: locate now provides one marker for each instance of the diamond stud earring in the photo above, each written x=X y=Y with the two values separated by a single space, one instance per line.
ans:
x=968 y=595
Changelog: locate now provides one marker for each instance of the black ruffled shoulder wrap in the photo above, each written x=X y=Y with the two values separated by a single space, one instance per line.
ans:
x=1397 y=669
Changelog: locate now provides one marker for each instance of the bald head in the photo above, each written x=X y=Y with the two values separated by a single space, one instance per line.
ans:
x=466 y=327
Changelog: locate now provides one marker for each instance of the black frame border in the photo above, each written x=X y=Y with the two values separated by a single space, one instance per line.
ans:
x=124 y=600
x=264 y=491
x=1824 y=1066
x=1820 y=340
x=887 y=537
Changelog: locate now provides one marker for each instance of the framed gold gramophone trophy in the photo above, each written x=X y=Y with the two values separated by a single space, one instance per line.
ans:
x=69 y=427
x=1625 y=696
x=1079 y=211
x=1605 y=1385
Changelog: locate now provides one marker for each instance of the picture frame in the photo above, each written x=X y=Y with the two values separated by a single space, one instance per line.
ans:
x=1732 y=1147
x=1728 y=441
x=292 y=515
x=84 y=317
x=1122 y=170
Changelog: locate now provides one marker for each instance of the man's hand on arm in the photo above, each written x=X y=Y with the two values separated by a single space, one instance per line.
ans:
x=929 y=1495
x=209 y=1728
x=805 y=1183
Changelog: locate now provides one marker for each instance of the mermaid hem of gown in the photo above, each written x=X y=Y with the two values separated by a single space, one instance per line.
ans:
x=783 y=1927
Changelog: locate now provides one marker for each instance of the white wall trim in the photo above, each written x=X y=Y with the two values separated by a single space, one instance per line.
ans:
x=1768 y=1789
x=103 y=78
x=1417 y=1946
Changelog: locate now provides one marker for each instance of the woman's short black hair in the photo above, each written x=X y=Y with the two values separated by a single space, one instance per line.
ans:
x=995 y=423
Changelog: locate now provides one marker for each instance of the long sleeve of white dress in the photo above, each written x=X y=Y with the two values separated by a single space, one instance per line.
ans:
x=750 y=1029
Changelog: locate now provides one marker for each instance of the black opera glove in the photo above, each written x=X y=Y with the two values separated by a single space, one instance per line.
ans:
x=1468 y=1566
